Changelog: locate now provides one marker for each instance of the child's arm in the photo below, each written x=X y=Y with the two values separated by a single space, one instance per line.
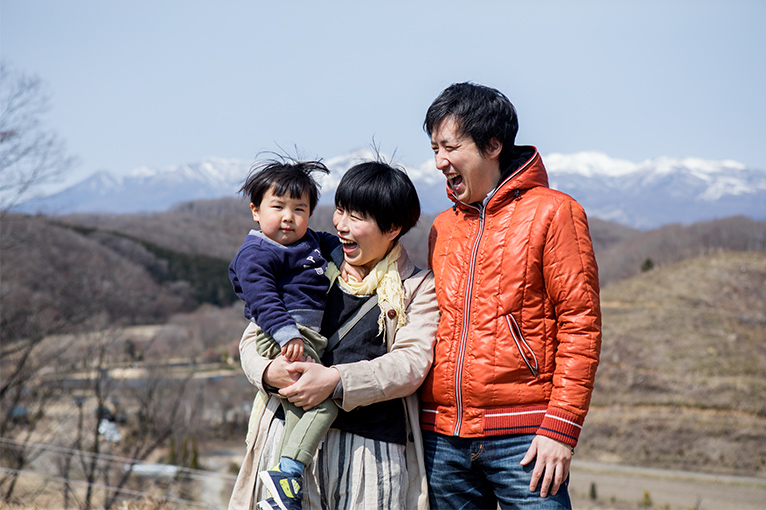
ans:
x=293 y=349
x=254 y=271
x=330 y=246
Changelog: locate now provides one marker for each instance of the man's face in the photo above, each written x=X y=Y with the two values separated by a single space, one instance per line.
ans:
x=470 y=174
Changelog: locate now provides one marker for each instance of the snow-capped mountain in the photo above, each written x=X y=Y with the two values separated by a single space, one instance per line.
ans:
x=428 y=181
x=644 y=195
x=659 y=191
x=145 y=189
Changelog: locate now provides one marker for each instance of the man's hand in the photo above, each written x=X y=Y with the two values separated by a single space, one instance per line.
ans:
x=293 y=349
x=553 y=460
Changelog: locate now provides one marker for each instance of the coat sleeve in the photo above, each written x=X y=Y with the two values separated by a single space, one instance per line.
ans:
x=253 y=364
x=571 y=280
x=402 y=370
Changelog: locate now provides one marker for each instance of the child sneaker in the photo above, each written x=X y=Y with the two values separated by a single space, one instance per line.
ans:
x=267 y=504
x=286 y=490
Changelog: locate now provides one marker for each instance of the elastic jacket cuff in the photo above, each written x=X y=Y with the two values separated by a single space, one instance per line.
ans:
x=561 y=425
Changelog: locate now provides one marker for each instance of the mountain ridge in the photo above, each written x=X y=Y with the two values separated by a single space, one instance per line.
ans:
x=643 y=195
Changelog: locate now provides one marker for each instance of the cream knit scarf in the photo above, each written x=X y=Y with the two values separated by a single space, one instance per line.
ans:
x=384 y=279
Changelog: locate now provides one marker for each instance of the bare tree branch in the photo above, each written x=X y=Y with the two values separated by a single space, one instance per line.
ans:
x=30 y=155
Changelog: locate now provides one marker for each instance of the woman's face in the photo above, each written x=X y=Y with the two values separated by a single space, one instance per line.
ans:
x=364 y=244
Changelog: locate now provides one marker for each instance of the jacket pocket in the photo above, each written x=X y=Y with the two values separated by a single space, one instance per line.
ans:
x=525 y=351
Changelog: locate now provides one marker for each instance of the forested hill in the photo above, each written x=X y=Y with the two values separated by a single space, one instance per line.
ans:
x=680 y=378
x=141 y=268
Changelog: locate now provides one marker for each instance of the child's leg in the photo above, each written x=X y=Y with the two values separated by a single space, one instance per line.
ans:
x=293 y=415
x=304 y=438
x=265 y=344
x=305 y=429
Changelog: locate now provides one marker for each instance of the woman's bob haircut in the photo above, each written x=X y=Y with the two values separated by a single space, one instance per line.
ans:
x=382 y=192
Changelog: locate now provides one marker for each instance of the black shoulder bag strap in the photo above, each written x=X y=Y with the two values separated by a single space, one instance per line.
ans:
x=351 y=322
x=363 y=310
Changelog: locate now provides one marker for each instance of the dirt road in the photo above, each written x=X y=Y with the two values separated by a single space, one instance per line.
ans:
x=622 y=487
x=617 y=487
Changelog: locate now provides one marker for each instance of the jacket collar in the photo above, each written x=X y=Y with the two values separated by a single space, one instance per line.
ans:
x=525 y=171
x=405 y=265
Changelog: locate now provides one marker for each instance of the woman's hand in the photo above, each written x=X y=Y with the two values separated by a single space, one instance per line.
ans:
x=276 y=374
x=314 y=384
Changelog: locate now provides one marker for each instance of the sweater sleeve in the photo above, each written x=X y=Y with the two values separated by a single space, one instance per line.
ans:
x=254 y=280
x=330 y=247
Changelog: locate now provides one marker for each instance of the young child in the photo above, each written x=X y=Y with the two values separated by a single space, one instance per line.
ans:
x=279 y=272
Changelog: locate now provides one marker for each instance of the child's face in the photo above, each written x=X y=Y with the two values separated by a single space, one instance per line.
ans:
x=283 y=219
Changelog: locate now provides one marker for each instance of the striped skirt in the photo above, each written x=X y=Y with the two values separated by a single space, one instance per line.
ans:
x=349 y=472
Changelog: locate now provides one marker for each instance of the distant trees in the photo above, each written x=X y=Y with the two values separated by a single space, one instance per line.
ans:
x=62 y=294
x=667 y=245
x=647 y=265
x=69 y=285
x=92 y=412
x=29 y=153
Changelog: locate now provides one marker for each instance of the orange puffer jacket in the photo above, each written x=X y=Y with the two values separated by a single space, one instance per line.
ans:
x=520 y=330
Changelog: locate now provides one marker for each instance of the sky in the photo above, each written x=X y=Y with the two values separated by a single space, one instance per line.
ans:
x=163 y=83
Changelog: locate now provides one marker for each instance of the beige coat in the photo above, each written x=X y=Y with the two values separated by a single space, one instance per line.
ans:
x=397 y=374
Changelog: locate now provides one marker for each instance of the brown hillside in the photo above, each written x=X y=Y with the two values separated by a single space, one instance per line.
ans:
x=681 y=380
x=210 y=227
x=55 y=279
x=217 y=228
x=605 y=234
x=673 y=243
x=185 y=276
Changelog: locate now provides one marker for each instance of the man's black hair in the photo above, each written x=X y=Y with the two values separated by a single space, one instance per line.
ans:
x=288 y=177
x=481 y=112
x=382 y=192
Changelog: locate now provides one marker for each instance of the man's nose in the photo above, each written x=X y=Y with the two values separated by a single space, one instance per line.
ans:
x=442 y=163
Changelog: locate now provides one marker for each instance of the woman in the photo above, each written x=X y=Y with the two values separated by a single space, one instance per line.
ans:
x=373 y=455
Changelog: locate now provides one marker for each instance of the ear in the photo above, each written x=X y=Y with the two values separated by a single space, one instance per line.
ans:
x=254 y=208
x=391 y=234
x=494 y=148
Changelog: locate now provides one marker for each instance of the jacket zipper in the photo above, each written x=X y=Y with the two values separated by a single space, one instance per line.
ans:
x=518 y=338
x=466 y=322
x=469 y=296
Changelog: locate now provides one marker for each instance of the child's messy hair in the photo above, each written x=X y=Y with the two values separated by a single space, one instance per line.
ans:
x=287 y=176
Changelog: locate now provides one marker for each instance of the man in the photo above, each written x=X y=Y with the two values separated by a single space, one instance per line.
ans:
x=520 y=330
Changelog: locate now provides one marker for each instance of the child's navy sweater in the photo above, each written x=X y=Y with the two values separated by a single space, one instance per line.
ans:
x=283 y=285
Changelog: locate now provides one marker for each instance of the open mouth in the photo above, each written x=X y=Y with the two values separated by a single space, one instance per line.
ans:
x=454 y=182
x=348 y=246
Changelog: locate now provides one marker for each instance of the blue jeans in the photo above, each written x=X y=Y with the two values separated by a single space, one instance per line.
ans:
x=479 y=473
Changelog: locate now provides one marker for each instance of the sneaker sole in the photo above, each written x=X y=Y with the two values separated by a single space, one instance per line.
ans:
x=269 y=484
